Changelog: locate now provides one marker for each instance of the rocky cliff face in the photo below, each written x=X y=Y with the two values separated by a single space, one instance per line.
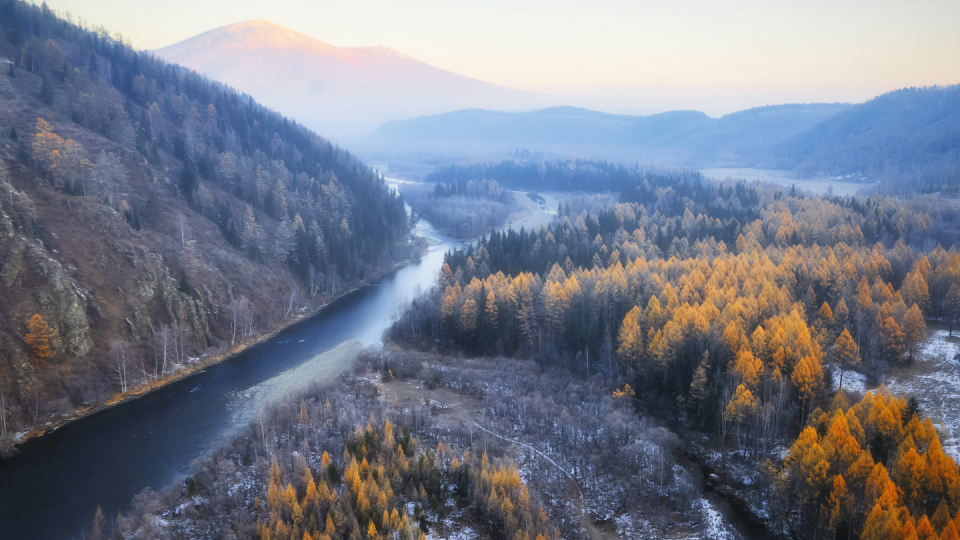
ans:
x=38 y=280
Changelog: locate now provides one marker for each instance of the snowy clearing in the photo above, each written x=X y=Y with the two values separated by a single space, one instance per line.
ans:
x=934 y=379
x=853 y=382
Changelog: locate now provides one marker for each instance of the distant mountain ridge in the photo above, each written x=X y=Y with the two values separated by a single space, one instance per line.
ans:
x=912 y=133
x=675 y=138
x=341 y=91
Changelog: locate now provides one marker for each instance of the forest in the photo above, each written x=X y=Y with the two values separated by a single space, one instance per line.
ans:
x=463 y=209
x=153 y=219
x=574 y=175
x=665 y=356
x=908 y=139
x=722 y=305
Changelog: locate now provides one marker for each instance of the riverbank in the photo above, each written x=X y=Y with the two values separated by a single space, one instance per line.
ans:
x=9 y=445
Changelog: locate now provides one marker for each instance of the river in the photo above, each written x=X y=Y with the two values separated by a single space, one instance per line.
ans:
x=51 y=489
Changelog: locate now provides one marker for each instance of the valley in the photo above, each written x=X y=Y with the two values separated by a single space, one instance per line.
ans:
x=257 y=286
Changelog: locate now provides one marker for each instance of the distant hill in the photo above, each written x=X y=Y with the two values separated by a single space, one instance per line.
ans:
x=676 y=138
x=913 y=131
x=341 y=91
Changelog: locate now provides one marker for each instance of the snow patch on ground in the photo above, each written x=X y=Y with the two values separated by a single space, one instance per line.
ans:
x=716 y=528
x=853 y=382
x=455 y=532
x=935 y=381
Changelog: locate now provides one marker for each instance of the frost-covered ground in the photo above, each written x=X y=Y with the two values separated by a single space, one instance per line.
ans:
x=716 y=525
x=853 y=382
x=934 y=379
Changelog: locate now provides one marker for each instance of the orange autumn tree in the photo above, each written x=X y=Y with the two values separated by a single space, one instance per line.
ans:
x=39 y=337
x=870 y=471
x=847 y=352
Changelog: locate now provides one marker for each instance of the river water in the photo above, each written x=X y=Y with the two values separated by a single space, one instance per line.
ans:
x=52 y=488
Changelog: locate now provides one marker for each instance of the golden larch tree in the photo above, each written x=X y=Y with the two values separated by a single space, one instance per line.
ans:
x=847 y=353
x=39 y=337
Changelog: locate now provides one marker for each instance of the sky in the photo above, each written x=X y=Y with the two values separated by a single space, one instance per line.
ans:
x=626 y=56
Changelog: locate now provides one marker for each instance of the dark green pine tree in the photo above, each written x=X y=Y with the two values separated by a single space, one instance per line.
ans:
x=189 y=181
x=46 y=90
x=94 y=67
x=184 y=287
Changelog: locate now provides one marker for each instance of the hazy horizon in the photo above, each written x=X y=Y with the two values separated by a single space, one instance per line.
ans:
x=613 y=56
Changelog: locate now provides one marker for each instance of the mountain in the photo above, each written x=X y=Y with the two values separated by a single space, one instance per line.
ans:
x=676 y=138
x=152 y=219
x=341 y=91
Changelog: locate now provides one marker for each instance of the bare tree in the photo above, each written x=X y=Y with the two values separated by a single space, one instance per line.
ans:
x=316 y=279
x=293 y=298
x=120 y=360
x=3 y=415
x=239 y=312
x=108 y=175
x=162 y=340
x=184 y=229
x=181 y=336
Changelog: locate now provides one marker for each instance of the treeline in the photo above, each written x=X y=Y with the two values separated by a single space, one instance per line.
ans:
x=464 y=208
x=733 y=335
x=573 y=175
x=873 y=469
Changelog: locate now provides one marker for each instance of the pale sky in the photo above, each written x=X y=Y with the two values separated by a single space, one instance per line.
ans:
x=614 y=55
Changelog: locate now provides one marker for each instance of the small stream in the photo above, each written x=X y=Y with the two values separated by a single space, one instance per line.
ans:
x=730 y=503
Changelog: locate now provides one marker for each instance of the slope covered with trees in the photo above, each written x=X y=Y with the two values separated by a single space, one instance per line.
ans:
x=910 y=138
x=151 y=216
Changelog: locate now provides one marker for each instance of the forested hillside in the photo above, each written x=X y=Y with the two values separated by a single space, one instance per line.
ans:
x=152 y=217
x=909 y=137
